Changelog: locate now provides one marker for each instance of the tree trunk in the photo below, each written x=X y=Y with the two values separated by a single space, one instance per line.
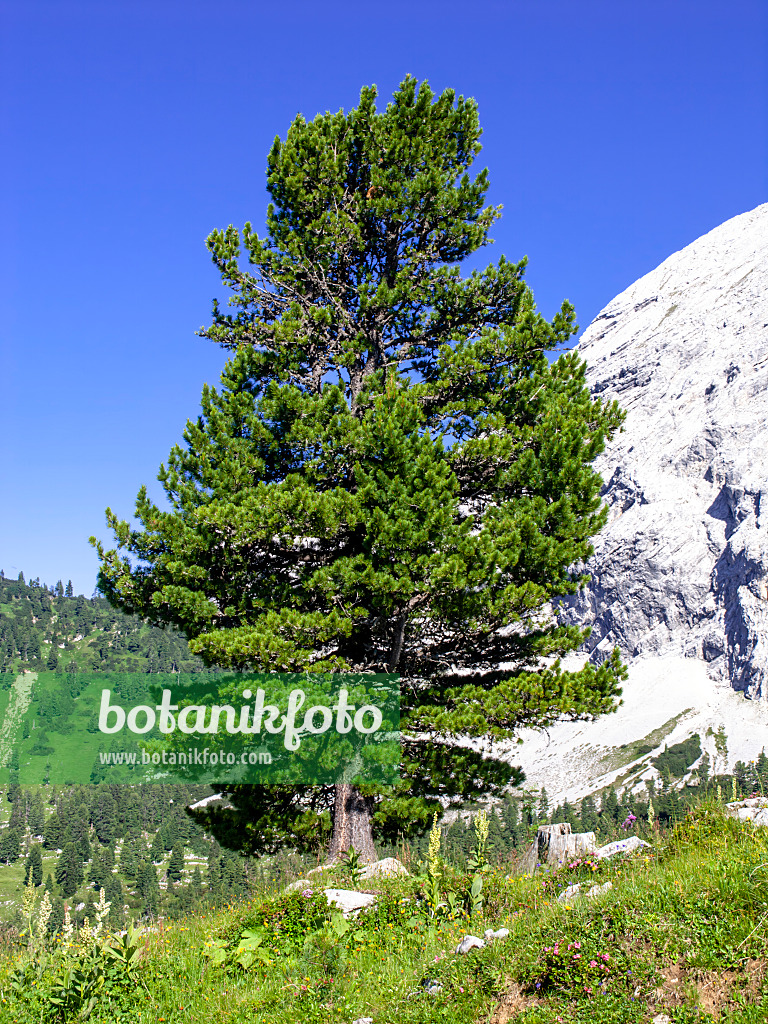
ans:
x=351 y=825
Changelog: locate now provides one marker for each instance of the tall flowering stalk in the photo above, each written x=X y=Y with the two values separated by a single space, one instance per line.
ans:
x=434 y=865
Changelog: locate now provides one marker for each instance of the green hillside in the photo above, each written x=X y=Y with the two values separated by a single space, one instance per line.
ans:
x=49 y=628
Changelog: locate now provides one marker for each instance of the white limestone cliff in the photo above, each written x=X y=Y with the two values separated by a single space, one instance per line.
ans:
x=682 y=566
x=680 y=572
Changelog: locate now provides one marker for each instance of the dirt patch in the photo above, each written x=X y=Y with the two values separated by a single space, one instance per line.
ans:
x=514 y=1001
x=713 y=991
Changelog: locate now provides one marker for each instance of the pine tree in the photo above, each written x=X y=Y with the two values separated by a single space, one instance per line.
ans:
x=56 y=920
x=128 y=862
x=590 y=822
x=34 y=862
x=176 y=864
x=11 y=836
x=36 y=814
x=69 y=871
x=69 y=591
x=214 y=876
x=391 y=474
x=196 y=885
x=148 y=889
x=98 y=872
x=511 y=818
x=157 y=849
x=543 y=812
x=610 y=807
x=497 y=843
x=569 y=815
x=104 y=814
x=113 y=893
x=52 y=832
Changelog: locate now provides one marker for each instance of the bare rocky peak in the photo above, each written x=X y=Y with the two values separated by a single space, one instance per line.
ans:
x=681 y=569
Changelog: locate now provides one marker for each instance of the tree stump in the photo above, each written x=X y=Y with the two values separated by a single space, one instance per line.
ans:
x=555 y=844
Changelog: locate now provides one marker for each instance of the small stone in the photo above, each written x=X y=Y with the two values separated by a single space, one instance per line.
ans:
x=489 y=934
x=349 y=902
x=469 y=942
x=300 y=883
x=600 y=890
x=387 y=867
x=628 y=845
x=321 y=868
x=661 y=1018
x=432 y=987
x=571 y=893
x=363 y=1020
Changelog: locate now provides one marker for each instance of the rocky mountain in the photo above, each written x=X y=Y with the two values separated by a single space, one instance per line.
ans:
x=682 y=567
x=680 y=572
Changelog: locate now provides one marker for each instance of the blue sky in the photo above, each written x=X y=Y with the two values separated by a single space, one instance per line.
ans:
x=615 y=134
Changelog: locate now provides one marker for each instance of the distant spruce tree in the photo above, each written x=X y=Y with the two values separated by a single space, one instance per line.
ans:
x=196 y=885
x=69 y=871
x=104 y=815
x=36 y=814
x=128 y=861
x=157 y=849
x=176 y=864
x=391 y=474
x=56 y=920
x=34 y=863
x=543 y=809
x=148 y=888
x=52 y=832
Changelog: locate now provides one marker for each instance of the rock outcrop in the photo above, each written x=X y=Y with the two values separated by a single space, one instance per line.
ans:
x=754 y=810
x=681 y=569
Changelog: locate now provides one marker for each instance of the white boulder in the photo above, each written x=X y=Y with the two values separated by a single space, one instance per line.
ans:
x=388 y=867
x=469 y=942
x=628 y=845
x=349 y=902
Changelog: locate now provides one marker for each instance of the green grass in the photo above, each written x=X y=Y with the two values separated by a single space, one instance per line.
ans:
x=683 y=931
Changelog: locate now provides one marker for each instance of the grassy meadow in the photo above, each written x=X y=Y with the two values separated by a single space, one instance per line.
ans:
x=683 y=931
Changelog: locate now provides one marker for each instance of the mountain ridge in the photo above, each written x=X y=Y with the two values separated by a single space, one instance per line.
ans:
x=679 y=577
